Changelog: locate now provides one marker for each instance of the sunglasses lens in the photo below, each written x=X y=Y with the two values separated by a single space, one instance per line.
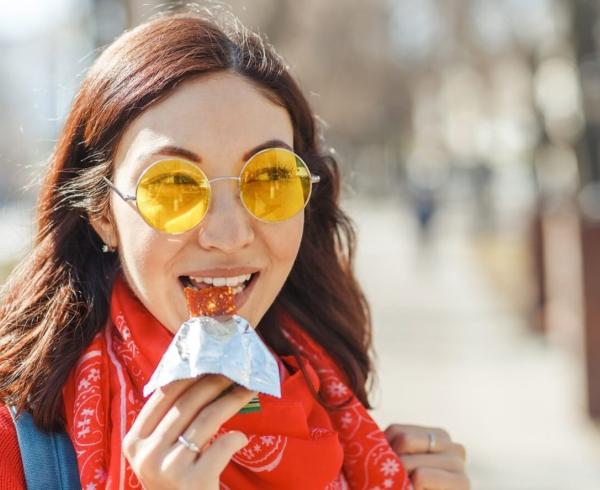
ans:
x=173 y=196
x=275 y=185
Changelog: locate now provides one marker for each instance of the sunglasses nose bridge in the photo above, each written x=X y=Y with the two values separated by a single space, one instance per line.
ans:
x=217 y=179
x=220 y=179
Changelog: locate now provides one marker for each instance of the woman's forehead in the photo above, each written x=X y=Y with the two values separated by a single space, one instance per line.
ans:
x=222 y=116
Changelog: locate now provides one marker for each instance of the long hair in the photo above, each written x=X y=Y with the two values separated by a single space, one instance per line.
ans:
x=57 y=299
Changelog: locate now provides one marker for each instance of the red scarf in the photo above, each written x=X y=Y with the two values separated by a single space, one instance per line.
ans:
x=294 y=442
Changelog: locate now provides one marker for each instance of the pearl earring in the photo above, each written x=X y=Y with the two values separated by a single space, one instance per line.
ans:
x=106 y=249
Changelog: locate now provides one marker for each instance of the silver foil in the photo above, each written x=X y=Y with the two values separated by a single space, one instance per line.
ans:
x=224 y=345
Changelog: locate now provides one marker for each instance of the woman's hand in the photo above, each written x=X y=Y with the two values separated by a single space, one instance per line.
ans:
x=194 y=409
x=432 y=459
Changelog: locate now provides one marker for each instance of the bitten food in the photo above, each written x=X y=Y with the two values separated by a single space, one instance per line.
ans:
x=212 y=301
x=215 y=302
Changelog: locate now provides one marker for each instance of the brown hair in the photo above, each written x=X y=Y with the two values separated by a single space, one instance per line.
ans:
x=57 y=298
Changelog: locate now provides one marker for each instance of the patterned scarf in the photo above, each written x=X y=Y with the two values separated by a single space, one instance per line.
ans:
x=294 y=442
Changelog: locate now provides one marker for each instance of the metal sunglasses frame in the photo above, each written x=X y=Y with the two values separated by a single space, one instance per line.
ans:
x=314 y=179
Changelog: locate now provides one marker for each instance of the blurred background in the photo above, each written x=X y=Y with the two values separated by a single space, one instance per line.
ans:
x=469 y=136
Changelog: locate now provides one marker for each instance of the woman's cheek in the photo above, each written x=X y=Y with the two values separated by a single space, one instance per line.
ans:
x=145 y=257
x=284 y=242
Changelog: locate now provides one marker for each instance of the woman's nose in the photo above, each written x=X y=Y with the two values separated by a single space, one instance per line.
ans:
x=227 y=225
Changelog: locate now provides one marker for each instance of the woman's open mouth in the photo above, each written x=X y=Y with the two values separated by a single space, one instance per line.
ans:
x=241 y=285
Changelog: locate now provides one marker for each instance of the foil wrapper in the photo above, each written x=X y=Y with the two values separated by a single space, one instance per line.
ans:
x=223 y=345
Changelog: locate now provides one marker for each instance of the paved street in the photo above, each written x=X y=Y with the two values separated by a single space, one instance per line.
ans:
x=453 y=353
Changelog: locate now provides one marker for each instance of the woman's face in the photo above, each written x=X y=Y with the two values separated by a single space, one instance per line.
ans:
x=222 y=119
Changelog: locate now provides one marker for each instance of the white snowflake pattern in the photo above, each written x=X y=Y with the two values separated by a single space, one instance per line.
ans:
x=248 y=452
x=126 y=333
x=91 y=486
x=84 y=384
x=100 y=474
x=390 y=467
x=346 y=420
x=120 y=321
x=84 y=425
x=337 y=389
x=88 y=412
x=267 y=440
x=94 y=374
x=133 y=348
x=256 y=447
x=388 y=482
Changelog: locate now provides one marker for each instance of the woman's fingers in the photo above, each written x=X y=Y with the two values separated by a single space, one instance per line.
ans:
x=444 y=461
x=157 y=405
x=164 y=404
x=190 y=402
x=160 y=460
x=433 y=461
x=150 y=415
x=438 y=479
x=459 y=450
x=410 y=439
x=215 y=458
x=213 y=416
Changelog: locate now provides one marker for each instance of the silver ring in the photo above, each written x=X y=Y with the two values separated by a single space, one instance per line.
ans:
x=189 y=444
x=431 y=444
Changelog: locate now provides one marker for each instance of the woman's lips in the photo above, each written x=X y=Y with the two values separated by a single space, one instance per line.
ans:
x=242 y=297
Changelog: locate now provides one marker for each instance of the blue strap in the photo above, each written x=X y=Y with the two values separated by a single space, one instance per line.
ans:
x=49 y=460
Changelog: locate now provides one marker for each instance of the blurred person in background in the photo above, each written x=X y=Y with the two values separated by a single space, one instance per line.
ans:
x=85 y=318
x=425 y=187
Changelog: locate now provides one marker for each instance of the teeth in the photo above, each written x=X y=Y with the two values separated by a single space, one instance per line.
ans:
x=219 y=281
x=222 y=281
x=234 y=281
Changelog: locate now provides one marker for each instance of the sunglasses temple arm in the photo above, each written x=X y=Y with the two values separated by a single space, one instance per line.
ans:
x=122 y=196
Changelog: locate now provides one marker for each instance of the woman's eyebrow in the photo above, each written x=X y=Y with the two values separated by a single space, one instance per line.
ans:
x=267 y=144
x=172 y=151
x=177 y=151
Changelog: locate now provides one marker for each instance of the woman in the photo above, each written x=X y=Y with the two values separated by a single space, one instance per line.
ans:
x=142 y=197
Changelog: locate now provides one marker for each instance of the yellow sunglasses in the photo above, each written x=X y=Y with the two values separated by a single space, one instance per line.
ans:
x=173 y=195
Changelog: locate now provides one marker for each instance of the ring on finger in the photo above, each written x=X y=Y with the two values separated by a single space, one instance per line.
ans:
x=431 y=442
x=189 y=444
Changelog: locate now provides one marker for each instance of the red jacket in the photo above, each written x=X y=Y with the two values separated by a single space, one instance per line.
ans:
x=11 y=467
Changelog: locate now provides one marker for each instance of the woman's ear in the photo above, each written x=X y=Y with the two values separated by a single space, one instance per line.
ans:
x=104 y=227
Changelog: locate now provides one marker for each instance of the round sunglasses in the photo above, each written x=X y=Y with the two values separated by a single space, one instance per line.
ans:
x=173 y=195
